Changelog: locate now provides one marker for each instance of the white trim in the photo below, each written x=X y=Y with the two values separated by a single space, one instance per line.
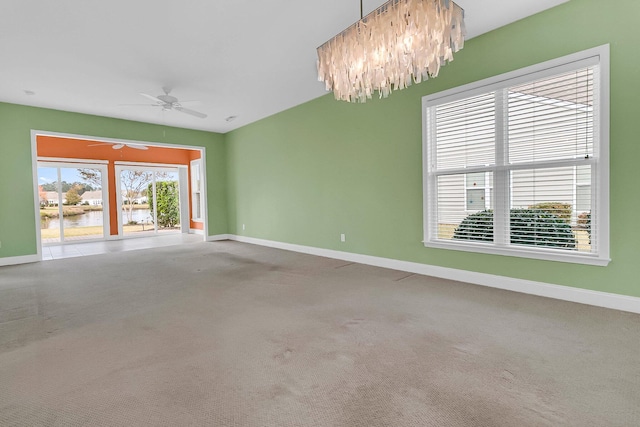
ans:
x=183 y=197
x=36 y=195
x=548 y=290
x=521 y=251
x=549 y=68
x=203 y=190
x=218 y=237
x=149 y=165
x=597 y=57
x=119 y=167
x=603 y=148
x=192 y=166
x=112 y=140
x=104 y=184
x=24 y=259
x=34 y=154
x=56 y=162
x=196 y=231
x=71 y=161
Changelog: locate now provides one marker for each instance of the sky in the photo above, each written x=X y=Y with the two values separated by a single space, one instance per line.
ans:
x=46 y=175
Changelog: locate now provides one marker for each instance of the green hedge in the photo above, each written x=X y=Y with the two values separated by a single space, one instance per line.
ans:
x=168 y=203
x=584 y=221
x=559 y=209
x=534 y=227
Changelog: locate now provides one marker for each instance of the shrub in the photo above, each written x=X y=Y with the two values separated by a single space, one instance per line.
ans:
x=528 y=227
x=559 y=209
x=168 y=203
x=584 y=221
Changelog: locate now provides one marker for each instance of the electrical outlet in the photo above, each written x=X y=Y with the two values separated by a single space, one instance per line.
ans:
x=242 y=227
x=343 y=238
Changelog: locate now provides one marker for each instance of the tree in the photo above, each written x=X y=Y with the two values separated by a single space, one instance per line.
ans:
x=167 y=203
x=72 y=197
x=43 y=196
x=91 y=176
x=132 y=184
x=50 y=186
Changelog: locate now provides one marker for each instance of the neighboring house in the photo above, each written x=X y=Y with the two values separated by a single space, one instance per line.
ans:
x=473 y=192
x=137 y=199
x=93 y=198
x=51 y=198
x=461 y=194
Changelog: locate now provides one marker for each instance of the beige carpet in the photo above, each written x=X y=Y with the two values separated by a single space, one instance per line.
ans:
x=230 y=334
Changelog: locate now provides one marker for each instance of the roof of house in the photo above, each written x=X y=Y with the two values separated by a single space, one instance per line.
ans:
x=50 y=195
x=92 y=195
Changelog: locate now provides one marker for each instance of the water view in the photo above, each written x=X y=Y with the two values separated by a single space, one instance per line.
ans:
x=94 y=218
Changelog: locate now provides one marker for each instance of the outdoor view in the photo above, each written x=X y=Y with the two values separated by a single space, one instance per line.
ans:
x=516 y=166
x=75 y=195
x=138 y=187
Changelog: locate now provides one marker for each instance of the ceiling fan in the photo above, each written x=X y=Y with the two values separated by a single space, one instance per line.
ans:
x=168 y=102
x=121 y=145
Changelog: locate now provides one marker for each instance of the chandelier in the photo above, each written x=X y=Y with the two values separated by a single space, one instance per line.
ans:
x=401 y=42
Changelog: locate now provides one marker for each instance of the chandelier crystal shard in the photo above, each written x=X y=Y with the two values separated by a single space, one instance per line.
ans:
x=401 y=42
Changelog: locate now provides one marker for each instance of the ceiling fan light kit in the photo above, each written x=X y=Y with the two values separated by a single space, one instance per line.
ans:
x=400 y=43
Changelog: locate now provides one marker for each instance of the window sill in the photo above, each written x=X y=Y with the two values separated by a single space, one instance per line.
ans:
x=515 y=251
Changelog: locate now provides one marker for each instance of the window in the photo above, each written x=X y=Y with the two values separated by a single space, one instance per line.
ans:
x=518 y=164
x=196 y=190
x=478 y=191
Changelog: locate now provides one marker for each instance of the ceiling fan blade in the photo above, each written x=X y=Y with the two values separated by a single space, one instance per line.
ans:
x=137 y=147
x=191 y=102
x=117 y=146
x=152 y=98
x=191 y=112
x=138 y=105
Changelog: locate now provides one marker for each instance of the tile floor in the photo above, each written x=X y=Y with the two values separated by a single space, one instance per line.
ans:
x=70 y=250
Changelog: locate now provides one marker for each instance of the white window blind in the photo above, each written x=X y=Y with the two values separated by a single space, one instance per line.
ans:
x=513 y=165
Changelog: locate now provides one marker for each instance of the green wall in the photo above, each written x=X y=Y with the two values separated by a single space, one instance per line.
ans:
x=308 y=174
x=323 y=168
x=17 y=211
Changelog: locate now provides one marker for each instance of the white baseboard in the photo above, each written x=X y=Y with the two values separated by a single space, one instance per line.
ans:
x=14 y=260
x=218 y=237
x=561 y=292
x=196 y=231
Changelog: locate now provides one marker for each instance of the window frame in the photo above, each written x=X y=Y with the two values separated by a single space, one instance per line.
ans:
x=599 y=162
x=196 y=190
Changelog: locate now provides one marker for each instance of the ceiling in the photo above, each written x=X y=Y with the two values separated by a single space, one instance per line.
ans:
x=249 y=59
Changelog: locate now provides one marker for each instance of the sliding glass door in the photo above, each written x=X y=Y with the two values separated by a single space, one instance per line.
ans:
x=72 y=203
x=148 y=200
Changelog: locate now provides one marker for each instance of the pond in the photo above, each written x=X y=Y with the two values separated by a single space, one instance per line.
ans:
x=93 y=218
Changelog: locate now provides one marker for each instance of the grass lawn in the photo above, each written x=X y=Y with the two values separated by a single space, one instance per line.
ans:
x=94 y=231
x=53 y=212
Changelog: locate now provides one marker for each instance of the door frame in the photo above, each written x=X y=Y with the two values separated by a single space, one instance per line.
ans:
x=52 y=162
x=153 y=167
x=34 y=170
